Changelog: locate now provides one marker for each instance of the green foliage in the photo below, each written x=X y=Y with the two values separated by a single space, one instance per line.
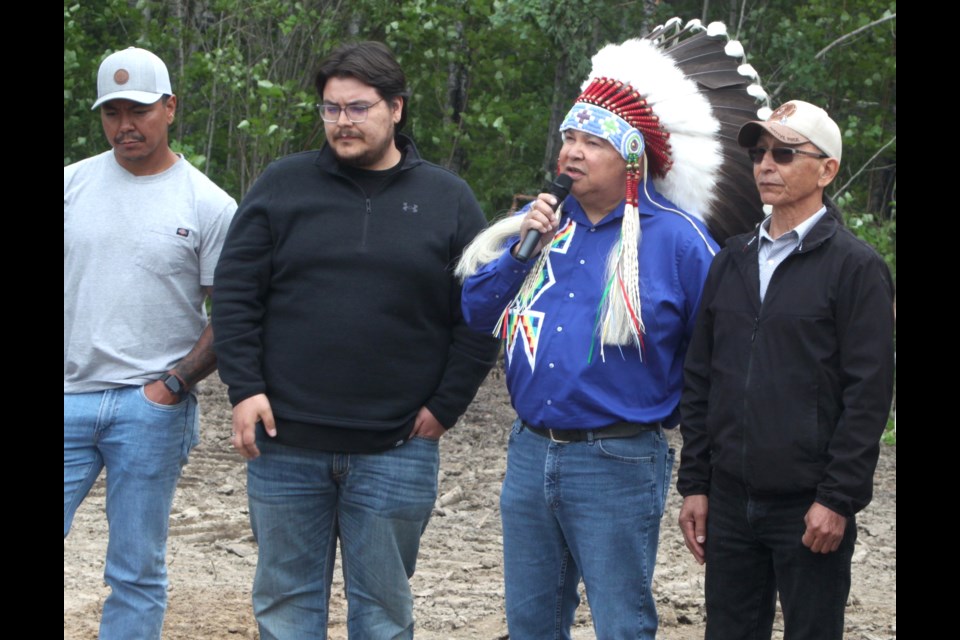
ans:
x=473 y=107
x=90 y=31
x=189 y=153
x=880 y=233
x=890 y=432
x=489 y=79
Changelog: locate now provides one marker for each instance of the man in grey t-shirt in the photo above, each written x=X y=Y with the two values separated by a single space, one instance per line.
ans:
x=142 y=232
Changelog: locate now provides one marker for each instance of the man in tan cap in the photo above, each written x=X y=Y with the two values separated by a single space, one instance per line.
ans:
x=142 y=231
x=788 y=384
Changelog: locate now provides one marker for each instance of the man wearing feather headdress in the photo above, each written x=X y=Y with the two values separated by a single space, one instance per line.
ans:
x=595 y=331
x=789 y=381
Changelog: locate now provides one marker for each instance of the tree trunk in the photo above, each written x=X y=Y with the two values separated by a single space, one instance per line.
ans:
x=559 y=104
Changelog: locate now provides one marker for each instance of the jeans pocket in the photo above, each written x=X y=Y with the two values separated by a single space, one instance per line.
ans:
x=635 y=450
x=669 y=461
x=160 y=431
x=515 y=430
x=162 y=407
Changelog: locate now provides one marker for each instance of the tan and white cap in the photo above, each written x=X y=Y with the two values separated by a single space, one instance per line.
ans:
x=132 y=74
x=796 y=122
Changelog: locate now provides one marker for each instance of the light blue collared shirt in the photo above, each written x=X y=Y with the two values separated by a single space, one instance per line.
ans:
x=772 y=252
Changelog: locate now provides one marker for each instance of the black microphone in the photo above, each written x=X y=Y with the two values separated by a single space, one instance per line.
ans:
x=559 y=188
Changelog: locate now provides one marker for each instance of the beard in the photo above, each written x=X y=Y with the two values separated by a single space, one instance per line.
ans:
x=365 y=155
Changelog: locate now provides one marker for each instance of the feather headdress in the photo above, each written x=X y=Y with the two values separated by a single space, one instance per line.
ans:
x=671 y=103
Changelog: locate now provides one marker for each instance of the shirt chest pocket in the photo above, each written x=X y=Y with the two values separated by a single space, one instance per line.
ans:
x=165 y=252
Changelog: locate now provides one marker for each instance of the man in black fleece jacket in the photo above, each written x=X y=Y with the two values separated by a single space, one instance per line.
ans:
x=339 y=333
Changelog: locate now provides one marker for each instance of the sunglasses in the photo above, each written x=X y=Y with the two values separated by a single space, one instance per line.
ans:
x=781 y=155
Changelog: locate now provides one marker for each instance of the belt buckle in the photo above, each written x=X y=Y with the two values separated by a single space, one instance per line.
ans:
x=552 y=439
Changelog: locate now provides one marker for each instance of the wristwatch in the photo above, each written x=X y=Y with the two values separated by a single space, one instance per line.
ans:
x=174 y=385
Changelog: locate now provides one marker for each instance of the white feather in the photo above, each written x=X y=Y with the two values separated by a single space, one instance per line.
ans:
x=748 y=71
x=715 y=29
x=733 y=49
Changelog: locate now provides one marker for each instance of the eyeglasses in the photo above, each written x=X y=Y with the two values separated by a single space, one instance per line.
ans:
x=781 y=155
x=356 y=113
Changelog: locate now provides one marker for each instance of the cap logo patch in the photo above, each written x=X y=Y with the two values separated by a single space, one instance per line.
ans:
x=121 y=76
x=783 y=112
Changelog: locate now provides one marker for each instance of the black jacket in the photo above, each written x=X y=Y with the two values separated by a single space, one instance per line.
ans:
x=340 y=305
x=791 y=395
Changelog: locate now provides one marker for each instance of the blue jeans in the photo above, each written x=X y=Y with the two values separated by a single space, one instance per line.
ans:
x=378 y=505
x=753 y=551
x=583 y=509
x=143 y=446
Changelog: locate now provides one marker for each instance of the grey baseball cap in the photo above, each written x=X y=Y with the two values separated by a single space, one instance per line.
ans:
x=132 y=74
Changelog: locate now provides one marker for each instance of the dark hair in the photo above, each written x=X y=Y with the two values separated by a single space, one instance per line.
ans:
x=372 y=63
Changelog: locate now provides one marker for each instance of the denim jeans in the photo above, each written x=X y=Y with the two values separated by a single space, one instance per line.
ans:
x=753 y=551
x=584 y=509
x=143 y=446
x=378 y=505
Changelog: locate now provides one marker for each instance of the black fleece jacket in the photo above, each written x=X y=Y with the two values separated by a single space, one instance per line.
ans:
x=340 y=305
x=791 y=395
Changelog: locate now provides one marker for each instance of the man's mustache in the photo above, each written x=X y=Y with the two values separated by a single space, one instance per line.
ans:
x=128 y=137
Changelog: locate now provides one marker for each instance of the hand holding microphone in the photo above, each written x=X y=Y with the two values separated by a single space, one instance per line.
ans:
x=559 y=189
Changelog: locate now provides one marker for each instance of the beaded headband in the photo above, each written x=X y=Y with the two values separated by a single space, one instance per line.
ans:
x=605 y=97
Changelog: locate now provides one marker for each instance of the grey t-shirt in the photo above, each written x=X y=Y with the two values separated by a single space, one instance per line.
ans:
x=137 y=253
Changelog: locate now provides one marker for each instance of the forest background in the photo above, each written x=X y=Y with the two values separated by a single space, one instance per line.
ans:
x=490 y=79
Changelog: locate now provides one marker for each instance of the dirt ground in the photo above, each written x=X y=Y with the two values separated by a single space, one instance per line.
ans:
x=458 y=585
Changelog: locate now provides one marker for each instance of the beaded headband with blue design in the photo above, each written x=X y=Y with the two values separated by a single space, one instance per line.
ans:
x=607 y=125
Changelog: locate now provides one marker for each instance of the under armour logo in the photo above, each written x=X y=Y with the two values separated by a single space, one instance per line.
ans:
x=410 y=207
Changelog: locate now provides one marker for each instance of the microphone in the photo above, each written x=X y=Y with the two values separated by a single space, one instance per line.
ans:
x=559 y=188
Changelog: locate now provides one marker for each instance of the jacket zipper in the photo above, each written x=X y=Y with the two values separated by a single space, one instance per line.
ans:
x=743 y=413
x=753 y=339
x=366 y=223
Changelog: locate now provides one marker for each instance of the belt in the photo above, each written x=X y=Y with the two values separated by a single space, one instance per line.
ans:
x=615 y=430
